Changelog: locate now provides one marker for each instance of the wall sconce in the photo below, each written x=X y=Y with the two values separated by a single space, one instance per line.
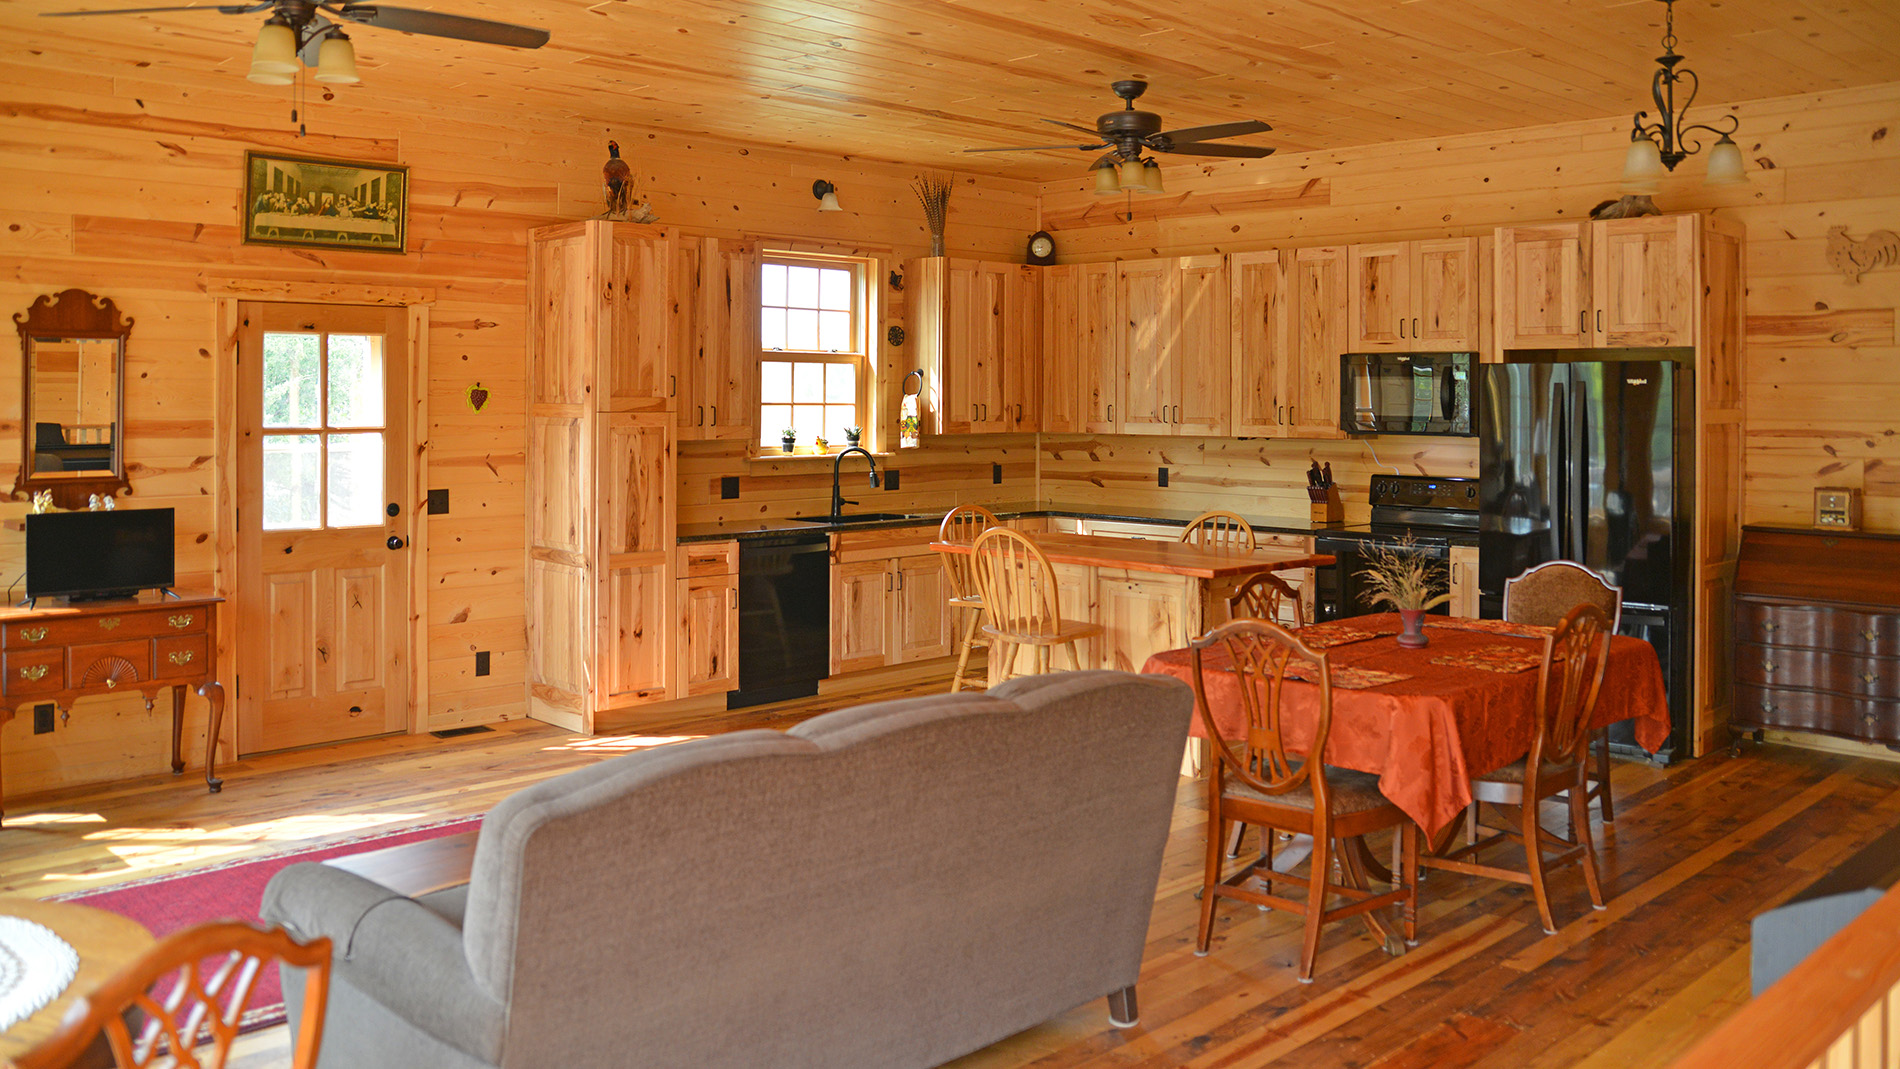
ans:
x=827 y=195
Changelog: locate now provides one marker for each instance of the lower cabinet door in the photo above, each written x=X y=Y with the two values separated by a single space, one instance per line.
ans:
x=709 y=634
x=1141 y=615
x=861 y=595
x=921 y=615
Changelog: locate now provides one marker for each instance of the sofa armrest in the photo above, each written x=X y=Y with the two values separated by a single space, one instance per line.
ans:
x=394 y=950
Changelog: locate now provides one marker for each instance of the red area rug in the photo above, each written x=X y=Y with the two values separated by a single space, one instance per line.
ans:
x=235 y=889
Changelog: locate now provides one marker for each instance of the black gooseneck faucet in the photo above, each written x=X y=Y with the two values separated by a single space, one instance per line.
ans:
x=837 y=497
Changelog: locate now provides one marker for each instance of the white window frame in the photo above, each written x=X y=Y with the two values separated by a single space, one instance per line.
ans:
x=862 y=357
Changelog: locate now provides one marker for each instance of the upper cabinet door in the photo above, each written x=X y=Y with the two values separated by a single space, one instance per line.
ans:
x=1318 y=334
x=1147 y=395
x=1645 y=281
x=1260 y=350
x=1380 y=289
x=1080 y=347
x=1543 y=290
x=1447 y=286
x=715 y=338
x=1099 y=376
x=636 y=346
x=1197 y=345
x=1020 y=338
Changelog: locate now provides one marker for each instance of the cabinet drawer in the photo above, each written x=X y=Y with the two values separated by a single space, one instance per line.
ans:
x=1818 y=627
x=707 y=558
x=179 y=656
x=116 y=664
x=32 y=672
x=106 y=627
x=1816 y=711
x=1843 y=673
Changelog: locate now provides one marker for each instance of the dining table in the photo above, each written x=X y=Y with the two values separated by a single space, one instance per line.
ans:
x=104 y=942
x=1426 y=720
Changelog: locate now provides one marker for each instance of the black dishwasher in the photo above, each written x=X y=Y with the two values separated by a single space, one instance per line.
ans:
x=784 y=617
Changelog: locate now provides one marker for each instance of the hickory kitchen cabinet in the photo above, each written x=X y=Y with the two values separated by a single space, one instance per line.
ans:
x=1174 y=359
x=1601 y=283
x=714 y=302
x=1316 y=335
x=978 y=337
x=890 y=600
x=1416 y=296
x=601 y=471
x=1081 y=348
x=707 y=606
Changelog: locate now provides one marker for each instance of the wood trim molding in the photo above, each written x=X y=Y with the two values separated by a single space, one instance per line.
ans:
x=304 y=292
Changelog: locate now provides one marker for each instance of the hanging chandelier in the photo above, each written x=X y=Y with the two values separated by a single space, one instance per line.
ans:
x=1661 y=145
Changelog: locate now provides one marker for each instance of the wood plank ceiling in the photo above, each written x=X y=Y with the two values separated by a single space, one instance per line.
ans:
x=917 y=81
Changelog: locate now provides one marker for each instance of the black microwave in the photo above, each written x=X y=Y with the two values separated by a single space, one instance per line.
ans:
x=1406 y=393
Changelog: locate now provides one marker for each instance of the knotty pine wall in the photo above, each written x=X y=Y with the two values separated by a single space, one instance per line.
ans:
x=1823 y=384
x=123 y=177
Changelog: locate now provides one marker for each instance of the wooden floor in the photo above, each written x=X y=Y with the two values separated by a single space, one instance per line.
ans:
x=1697 y=849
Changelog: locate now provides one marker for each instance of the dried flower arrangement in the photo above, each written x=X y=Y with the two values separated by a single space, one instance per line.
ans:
x=1403 y=578
x=933 y=192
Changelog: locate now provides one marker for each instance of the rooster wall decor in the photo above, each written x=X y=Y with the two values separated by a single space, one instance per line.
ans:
x=622 y=198
x=1855 y=258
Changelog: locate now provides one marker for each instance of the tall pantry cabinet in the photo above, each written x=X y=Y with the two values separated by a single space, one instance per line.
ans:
x=601 y=470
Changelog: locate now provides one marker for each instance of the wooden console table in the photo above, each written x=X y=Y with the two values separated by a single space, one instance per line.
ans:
x=57 y=654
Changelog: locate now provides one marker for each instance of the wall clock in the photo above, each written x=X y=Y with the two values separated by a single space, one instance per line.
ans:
x=1042 y=248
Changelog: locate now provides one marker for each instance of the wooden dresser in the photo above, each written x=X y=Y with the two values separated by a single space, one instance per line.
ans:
x=60 y=653
x=1817 y=633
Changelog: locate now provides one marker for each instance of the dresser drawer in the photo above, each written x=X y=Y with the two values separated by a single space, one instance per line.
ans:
x=106 y=627
x=697 y=559
x=1818 y=627
x=1843 y=673
x=112 y=664
x=31 y=672
x=179 y=656
x=1806 y=710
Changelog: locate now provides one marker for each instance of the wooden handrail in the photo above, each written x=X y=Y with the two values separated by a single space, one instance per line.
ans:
x=1828 y=1011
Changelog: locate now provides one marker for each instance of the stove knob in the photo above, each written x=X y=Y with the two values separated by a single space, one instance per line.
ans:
x=1470 y=492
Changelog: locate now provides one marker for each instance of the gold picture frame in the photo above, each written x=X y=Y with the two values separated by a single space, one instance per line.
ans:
x=328 y=204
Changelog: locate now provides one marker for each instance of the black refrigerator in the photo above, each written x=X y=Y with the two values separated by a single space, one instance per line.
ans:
x=1594 y=461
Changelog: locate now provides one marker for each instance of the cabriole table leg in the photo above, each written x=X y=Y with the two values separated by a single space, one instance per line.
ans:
x=212 y=691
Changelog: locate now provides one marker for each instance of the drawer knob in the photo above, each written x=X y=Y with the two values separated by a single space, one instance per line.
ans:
x=1769 y=707
x=1870 y=720
x=1869 y=677
x=1868 y=634
x=109 y=622
x=181 y=657
x=33 y=634
x=180 y=622
x=1770 y=626
x=33 y=672
x=1768 y=666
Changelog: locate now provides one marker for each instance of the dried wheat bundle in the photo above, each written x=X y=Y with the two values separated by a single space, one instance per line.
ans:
x=933 y=192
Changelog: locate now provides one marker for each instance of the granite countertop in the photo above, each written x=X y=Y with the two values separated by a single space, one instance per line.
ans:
x=737 y=529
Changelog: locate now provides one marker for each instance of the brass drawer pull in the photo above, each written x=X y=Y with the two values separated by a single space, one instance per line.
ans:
x=1868 y=634
x=1869 y=677
x=180 y=622
x=33 y=634
x=1770 y=627
x=109 y=622
x=181 y=657
x=1768 y=666
x=34 y=672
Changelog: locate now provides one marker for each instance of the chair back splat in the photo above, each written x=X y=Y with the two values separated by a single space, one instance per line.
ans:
x=1265 y=596
x=1220 y=529
x=1260 y=653
x=1575 y=658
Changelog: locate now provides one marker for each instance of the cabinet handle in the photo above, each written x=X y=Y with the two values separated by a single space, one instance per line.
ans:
x=1599 y=321
x=900 y=580
x=1019 y=411
x=1111 y=413
x=1583 y=321
x=888 y=583
x=1281 y=414
x=700 y=420
x=1769 y=627
x=33 y=634
x=1869 y=677
x=180 y=622
x=182 y=657
x=1414 y=328
x=33 y=672
x=715 y=415
x=1401 y=326
x=672 y=384
x=732 y=597
x=1868 y=634
x=1768 y=667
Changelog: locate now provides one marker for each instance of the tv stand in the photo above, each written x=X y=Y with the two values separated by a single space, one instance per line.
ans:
x=145 y=644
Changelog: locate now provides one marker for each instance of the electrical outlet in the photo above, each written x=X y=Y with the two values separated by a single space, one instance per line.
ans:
x=481 y=663
x=890 y=479
x=996 y=474
x=43 y=718
x=438 y=502
x=728 y=487
x=1161 y=476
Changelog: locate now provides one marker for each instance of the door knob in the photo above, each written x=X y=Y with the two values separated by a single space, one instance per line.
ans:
x=395 y=542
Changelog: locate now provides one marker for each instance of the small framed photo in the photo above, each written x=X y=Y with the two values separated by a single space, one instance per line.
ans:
x=329 y=204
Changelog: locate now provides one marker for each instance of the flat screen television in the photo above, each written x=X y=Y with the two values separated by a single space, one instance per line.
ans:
x=87 y=555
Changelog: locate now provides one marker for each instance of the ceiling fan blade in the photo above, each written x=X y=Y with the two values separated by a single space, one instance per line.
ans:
x=1089 y=130
x=1036 y=148
x=1208 y=133
x=1250 y=152
x=222 y=9
x=461 y=28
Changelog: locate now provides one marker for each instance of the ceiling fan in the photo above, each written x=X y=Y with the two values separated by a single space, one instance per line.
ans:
x=299 y=30
x=1127 y=132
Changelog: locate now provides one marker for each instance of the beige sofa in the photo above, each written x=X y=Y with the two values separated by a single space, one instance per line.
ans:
x=889 y=885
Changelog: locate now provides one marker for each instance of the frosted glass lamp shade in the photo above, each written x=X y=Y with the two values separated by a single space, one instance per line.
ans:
x=1151 y=177
x=1725 y=164
x=829 y=202
x=1106 y=180
x=336 y=60
x=1131 y=175
x=274 y=59
x=1642 y=167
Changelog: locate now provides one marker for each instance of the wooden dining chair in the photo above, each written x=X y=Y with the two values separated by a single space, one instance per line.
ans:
x=1255 y=779
x=963 y=525
x=1575 y=656
x=1266 y=596
x=1219 y=529
x=1020 y=605
x=190 y=989
x=1543 y=594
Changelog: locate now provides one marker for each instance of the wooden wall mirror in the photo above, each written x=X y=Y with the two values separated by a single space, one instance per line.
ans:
x=72 y=346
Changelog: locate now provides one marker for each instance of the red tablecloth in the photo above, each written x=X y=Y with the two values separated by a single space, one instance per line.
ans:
x=1427 y=735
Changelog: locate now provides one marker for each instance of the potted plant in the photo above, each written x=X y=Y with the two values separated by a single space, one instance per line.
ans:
x=852 y=434
x=1409 y=582
x=788 y=438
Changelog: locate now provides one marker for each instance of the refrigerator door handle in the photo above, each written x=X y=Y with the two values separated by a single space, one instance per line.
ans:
x=1576 y=509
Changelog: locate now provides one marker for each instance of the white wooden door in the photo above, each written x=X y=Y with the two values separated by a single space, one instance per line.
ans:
x=323 y=566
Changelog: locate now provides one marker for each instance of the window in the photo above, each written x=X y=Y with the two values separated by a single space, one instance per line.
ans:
x=323 y=440
x=813 y=374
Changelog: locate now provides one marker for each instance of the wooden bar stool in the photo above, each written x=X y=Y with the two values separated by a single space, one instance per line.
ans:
x=1020 y=605
x=963 y=525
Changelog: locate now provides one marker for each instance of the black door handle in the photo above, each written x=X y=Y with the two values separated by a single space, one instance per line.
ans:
x=395 y=542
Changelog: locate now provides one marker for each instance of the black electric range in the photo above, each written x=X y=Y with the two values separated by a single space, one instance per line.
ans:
x=1434 y=512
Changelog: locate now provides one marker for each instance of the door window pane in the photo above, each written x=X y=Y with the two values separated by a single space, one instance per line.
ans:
x=356 y=480
x=293 y=382
x=356 y=380
x=293 y=470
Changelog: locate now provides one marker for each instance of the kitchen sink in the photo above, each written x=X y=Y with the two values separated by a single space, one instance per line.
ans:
x=863 y=517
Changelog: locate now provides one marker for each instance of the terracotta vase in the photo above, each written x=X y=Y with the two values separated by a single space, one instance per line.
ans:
x=1414 y=634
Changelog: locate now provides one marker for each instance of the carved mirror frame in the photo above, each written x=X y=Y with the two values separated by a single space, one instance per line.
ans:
x=71 y=314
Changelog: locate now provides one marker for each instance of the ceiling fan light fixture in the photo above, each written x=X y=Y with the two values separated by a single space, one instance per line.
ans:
x=1151 y=177
x=1107 y=180
x=336 y=60
x=1131 y=175
x=274 y=58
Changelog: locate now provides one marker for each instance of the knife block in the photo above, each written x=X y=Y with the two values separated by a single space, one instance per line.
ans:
x=1327 y=508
